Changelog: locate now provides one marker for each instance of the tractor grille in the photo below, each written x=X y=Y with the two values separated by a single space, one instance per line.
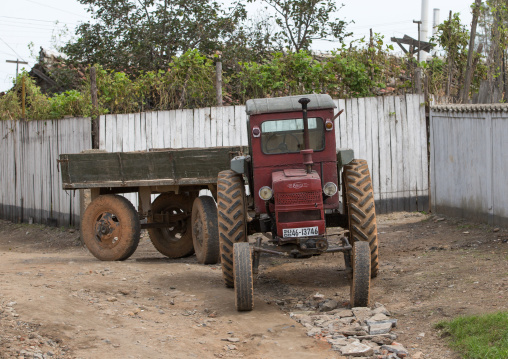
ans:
x=300 y=216
x=297 y=198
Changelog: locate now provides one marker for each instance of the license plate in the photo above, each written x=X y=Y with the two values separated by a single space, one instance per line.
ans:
x=300 y=232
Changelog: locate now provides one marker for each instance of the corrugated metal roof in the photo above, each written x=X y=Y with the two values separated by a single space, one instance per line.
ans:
x=287 y=104
x=487 y=107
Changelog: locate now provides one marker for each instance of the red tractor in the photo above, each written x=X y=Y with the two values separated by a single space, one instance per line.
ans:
x=288 y=188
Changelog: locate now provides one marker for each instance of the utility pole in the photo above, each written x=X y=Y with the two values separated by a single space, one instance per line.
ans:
x=95 y=108
x=417 y=71
x=17 y=62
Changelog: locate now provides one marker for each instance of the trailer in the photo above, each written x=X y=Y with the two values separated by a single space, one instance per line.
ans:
x=179 y=221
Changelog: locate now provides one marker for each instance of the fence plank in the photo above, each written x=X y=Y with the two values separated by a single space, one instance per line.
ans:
x=232 y=137
x=147 y=121
x=349 y=124
x=383 y=163
x=424 y=189
x=189 y=123
x=392 y=143
x=164 y=129
x=102 y=132
x=413 y=158
x=373 y=140
x=243 y=125
x=207 y=127
x=213 y=126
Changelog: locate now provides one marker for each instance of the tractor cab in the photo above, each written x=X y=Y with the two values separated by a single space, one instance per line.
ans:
x=294 y=164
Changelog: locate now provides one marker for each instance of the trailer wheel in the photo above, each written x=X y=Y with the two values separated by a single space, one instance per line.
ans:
x=231 y=213
x=244 y=289
x=360 y=208
x=176 y=241
x=205 y=234
x=360 y=284
x=110 y=228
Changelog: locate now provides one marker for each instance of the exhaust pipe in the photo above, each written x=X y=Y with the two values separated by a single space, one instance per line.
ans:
x=307 y=152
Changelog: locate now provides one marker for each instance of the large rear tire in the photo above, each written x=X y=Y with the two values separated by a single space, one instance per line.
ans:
x=176 y=241
x=110 y=228
x=205 y=234
x=361 y=210
x=360 y=283
x=232 y=214
x=244 y=288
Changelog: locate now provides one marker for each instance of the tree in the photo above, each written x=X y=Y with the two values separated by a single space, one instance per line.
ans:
x=453 y=38
x=136 y=35
x=494 y=23
x=302 y=21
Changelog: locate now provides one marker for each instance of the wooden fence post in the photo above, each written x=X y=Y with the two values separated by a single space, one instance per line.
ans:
x=95 y=108
x=218 y=85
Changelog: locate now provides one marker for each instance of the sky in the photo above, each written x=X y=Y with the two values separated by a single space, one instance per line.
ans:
x=41 y=22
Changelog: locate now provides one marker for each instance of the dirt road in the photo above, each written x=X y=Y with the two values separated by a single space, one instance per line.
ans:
x=56 y=300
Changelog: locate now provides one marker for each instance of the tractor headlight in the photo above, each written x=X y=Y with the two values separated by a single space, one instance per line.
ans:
x=265 y=193
x=330 y=189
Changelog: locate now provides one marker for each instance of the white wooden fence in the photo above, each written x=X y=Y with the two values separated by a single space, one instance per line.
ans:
x=389 y=132
x=30 y=183
x=469 y=163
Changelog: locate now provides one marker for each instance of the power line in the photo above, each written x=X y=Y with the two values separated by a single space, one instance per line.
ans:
x=23 y=18
x=378 y=25
x=31 y=27
x=55 y=8
x=9 y=46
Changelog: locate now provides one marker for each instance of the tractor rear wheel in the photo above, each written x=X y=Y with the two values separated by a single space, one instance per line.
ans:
x=360 y=283
x=205 y=235
x=232 y=214
x=175 y=241
x=244 y=289
x=360 y=208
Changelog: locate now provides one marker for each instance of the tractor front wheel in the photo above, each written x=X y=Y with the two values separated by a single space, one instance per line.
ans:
x=232 y=215
x=244 y=289
x=360 y=283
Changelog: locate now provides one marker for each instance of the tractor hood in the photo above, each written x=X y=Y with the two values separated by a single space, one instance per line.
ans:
x=296 y=181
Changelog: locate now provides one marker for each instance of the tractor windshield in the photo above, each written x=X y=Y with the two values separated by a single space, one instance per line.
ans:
x=286 y=136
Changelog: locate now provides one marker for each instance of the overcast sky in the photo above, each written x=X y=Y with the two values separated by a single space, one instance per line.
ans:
x=34 y=21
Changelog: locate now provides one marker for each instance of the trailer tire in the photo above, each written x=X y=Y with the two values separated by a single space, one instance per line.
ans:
x=360 y=208
x=360 y=283
x=244 y=287
x=173 y=242
x=205 y=233
x=110 y=228
x=231 y=213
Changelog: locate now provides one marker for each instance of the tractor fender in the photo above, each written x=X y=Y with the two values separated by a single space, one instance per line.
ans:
x=344 y=156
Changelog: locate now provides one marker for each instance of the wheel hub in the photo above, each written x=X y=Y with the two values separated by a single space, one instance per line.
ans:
x=107 y=229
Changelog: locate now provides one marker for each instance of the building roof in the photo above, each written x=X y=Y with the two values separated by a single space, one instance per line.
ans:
x=287 y=104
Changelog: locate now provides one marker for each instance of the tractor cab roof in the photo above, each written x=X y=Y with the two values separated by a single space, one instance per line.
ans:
x=287 y=104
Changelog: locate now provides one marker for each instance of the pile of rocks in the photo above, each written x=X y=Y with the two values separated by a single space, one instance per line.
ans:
x=19 y=339
x=357 y=332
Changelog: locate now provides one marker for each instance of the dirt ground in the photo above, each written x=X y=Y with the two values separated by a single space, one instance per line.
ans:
x=58 y=301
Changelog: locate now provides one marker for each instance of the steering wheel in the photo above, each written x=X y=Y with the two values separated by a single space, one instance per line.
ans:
x=282 y=146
